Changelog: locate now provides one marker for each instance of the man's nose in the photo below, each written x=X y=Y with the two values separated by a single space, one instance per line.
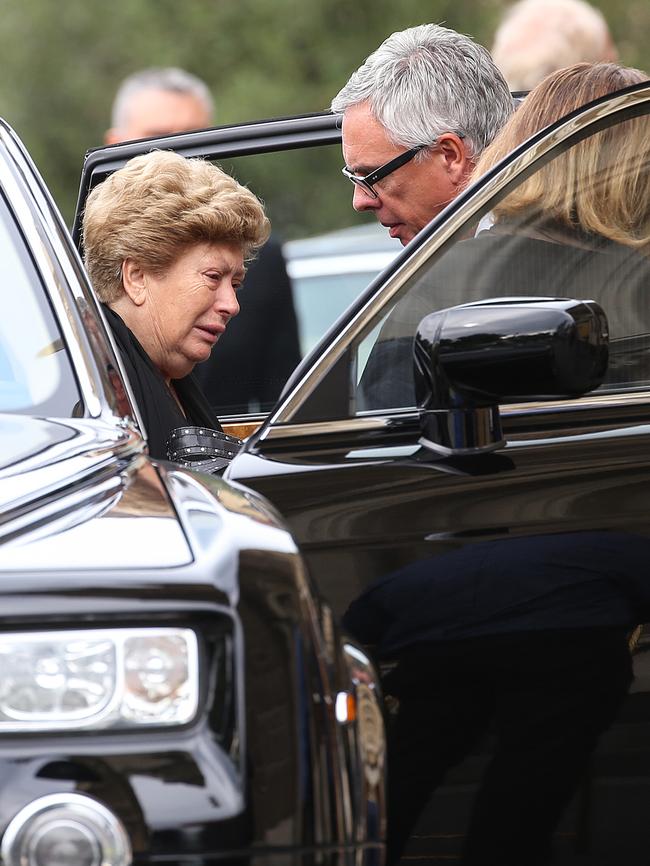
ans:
x=362 y=200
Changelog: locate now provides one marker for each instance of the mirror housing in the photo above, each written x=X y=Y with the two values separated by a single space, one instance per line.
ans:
x=470 y=358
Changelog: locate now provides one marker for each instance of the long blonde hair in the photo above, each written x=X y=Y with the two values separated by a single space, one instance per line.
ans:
x=600 y=185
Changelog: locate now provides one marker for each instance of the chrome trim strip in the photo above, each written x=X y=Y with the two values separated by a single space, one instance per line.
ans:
x=611 y=401
x=385 y=423
x=42 y=242
x=590 y=116
x=320 y=428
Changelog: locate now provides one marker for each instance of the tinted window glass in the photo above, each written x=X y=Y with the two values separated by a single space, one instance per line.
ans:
x=578 y=227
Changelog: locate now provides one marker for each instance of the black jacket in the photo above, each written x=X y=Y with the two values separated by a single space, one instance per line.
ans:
x=254 y=358
x=160 y=412
x=572 y=580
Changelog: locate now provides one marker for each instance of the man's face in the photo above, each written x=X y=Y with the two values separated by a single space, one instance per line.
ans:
x=415 y=192
x=159 y=112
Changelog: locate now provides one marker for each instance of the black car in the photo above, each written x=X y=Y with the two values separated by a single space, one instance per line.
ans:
x=172 y=690
x=512 y=434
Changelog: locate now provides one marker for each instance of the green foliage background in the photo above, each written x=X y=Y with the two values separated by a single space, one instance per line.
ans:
x=62 y=62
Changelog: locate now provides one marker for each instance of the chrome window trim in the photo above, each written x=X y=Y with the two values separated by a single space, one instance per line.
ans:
x=62 y=272
x=386 y=423
x=595 y=400
x=45 y=251
x=320 y=428
x=442 y=229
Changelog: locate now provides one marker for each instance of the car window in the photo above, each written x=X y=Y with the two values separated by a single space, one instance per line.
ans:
x=329 y=271
x=576 y=227
x=36 y=376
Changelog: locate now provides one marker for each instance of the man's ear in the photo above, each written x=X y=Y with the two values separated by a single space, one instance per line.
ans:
x=134 y=281
x=456 y=160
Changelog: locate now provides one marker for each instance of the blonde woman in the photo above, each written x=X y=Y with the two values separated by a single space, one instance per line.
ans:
x=601 y=186
x=579 y=226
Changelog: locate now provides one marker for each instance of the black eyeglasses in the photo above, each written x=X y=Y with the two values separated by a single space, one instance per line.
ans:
x=383 y=171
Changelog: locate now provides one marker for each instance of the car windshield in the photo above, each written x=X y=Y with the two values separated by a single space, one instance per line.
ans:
x=36 y=376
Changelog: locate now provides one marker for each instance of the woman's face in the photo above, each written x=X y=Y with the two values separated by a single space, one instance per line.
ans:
x=182 y=313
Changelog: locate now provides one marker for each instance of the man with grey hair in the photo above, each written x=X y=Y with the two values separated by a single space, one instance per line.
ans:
x=537 y=37
x=156 y=101
x=416 y=115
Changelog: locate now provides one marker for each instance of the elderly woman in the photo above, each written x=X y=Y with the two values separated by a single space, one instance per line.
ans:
x=165 y=241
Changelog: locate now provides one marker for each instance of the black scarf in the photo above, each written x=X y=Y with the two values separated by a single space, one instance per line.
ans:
x=159 y=410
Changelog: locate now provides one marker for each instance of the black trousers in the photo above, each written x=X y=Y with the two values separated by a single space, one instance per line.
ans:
x=547 y=697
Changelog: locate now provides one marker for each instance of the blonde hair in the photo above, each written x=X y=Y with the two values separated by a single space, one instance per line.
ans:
x=156 y=206
x=600 y=185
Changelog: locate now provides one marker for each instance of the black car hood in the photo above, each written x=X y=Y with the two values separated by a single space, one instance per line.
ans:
x=79 y=493
x=39 y=456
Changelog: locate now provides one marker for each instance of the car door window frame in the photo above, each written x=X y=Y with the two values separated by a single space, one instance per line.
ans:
x=294 y=415
x=470 y=206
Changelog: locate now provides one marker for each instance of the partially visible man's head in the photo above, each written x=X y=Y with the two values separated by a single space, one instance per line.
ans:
x=537 y=37
x=430 y=90
x=157 y=102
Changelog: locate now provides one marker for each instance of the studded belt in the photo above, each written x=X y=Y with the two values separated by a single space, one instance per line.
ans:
x=202 y=448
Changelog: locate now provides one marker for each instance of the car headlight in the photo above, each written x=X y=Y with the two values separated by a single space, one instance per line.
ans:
x=65 y=829
x=98 y=679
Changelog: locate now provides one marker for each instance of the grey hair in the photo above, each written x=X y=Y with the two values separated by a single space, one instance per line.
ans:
x=169 y=78
x=427 y=80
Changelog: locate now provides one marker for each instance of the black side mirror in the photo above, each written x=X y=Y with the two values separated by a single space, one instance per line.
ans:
x=470 y=358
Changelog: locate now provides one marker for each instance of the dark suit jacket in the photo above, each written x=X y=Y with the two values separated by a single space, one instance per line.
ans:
x=160 y=412
x=572 y=580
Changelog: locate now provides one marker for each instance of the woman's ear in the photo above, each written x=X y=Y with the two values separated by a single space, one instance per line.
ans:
x=134 y=281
